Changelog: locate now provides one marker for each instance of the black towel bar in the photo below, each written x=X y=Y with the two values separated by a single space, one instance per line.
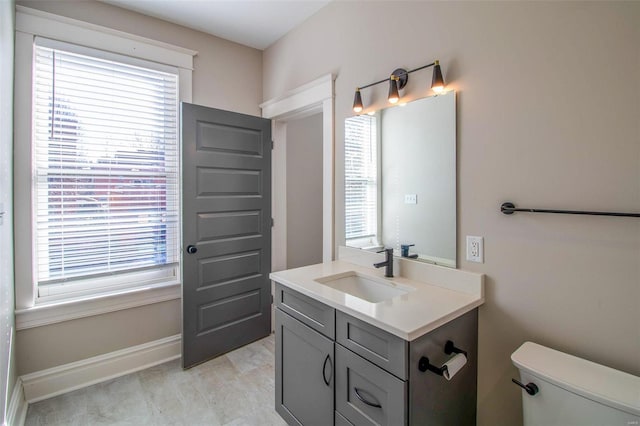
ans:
x=510 y=208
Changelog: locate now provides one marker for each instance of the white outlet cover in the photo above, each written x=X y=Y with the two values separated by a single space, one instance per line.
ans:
x=475 y=249
x=411 y=198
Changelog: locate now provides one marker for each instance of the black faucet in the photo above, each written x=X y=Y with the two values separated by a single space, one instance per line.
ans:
x=388 y=263
x=405 y=251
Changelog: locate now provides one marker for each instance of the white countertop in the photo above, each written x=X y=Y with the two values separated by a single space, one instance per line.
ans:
x=409 y=316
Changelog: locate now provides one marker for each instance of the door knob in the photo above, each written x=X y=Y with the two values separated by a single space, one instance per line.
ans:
x=192 y=249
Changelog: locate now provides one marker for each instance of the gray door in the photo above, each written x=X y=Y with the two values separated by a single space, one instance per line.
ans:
x=226 y=292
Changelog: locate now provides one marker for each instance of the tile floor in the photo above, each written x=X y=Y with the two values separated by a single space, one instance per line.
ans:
x=233 y=389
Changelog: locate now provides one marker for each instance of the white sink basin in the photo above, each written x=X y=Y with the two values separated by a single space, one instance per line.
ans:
x=371 y=289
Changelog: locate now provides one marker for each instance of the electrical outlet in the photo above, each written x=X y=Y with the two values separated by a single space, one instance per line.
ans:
x=475 y=249
x=411 y=198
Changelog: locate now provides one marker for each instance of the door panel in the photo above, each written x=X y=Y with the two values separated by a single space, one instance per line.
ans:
x=213 y=226
x=219 y=182
x=225 y=270
x=227 y=218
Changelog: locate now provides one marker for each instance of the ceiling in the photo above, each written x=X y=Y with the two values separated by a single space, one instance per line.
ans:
x=254 y=23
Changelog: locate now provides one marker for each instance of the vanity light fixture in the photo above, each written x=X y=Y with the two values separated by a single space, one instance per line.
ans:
x=437 y=81
x=393 y=90
x=357 y=101
x=397 y=80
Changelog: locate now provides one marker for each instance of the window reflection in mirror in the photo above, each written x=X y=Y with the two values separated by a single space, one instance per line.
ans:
x=362 y=213
x=400 y=179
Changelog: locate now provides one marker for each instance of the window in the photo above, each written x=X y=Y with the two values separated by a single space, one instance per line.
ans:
x=361 y=180
x=106 y=170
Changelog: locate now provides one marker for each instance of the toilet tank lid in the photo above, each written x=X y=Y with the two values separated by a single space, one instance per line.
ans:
x=593 y=381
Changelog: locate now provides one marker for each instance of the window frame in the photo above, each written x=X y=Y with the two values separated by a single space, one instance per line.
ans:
x=67 y=288
x=32 y=310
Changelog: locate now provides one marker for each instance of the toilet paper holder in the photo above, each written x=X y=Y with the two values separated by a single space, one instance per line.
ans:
x=449 y=348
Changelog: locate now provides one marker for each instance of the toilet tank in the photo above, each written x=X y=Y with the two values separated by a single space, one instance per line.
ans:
x=574 y=391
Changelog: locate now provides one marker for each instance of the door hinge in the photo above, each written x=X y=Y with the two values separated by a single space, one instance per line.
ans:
x=272 y=222
x=272 y=144
x=272 y=299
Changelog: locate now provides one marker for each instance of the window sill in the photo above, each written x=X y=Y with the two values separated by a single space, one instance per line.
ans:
x=52 y=313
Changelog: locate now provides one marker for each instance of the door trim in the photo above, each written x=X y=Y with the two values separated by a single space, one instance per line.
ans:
x=314 y=97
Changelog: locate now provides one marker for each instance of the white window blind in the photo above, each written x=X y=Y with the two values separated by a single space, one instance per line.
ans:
x=106 y=167
x=361 y=175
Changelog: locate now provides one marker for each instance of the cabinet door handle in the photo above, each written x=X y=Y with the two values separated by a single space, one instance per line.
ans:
x=324 y=369
x=372 y=404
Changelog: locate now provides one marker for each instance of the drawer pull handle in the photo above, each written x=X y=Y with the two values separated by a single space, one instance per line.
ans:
x=372 y=404
x=324 y=369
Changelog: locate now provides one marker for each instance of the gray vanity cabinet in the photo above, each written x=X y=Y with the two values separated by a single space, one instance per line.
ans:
x=334 y=369
x=304 y=373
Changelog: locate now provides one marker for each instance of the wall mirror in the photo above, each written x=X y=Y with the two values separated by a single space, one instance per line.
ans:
x=400 y=180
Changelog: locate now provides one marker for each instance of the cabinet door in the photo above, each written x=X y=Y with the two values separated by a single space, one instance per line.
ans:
x=366 y=394
x=304 y=373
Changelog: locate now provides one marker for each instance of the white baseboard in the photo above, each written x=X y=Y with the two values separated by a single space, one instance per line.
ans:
x=17 y=412
x=76 y=375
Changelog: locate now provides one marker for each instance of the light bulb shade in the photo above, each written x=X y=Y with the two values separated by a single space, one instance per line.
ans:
x=437 y=81
x=357 y=102
x=393 y=91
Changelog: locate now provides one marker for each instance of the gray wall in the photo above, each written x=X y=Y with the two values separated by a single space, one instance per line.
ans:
x=7 y=352
x=214 y=85
x=304 y=191
x=56 y=344
x=548 y=107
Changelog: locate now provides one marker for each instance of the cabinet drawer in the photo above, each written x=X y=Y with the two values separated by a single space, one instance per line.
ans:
x=315 y=314
x=380 y=347
x=366 y=394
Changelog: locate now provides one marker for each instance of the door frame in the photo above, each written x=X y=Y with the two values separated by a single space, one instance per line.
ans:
x=312 y=98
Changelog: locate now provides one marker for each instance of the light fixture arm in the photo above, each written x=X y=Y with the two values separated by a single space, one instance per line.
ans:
x=398 y=79
x=397 y=75
x=373 y=84
x=422 y=67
